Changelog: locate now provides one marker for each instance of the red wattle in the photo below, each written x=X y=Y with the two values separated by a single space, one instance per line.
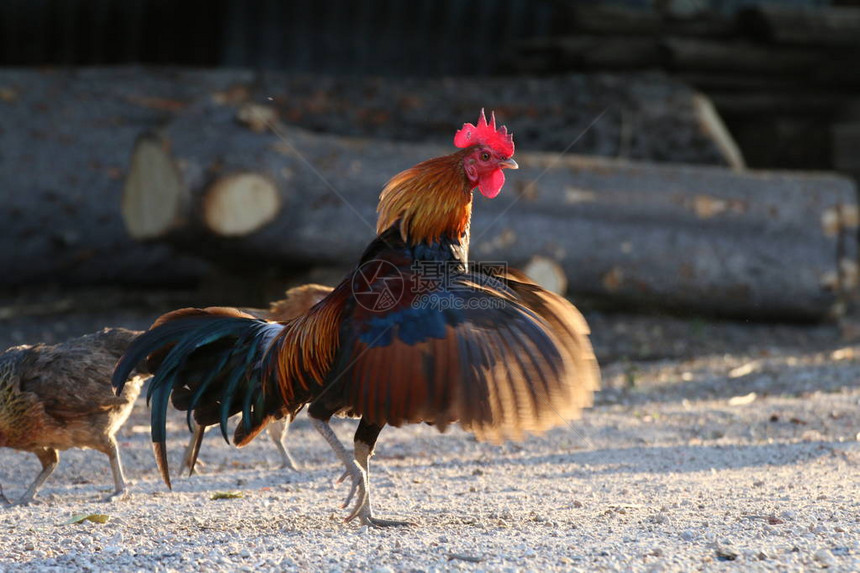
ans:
x=491 y=184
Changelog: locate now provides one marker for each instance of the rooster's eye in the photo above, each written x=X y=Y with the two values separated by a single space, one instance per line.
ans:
x=485 y=156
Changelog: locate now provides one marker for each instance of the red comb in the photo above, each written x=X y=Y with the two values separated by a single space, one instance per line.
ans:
x=485 y=133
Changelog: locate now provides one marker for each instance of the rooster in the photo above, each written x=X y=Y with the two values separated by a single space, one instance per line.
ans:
x=58 y=397
x=297 y=301
x=392 y=343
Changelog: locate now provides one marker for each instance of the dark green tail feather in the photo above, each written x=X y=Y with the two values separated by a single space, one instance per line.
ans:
x=216 y=376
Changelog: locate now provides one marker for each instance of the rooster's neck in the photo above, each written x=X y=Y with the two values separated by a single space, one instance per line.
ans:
x=430 y=203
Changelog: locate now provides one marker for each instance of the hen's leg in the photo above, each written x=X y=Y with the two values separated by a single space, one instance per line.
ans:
x=49 y=458
x=278 y=432
x=364 y=442
x=120 y=490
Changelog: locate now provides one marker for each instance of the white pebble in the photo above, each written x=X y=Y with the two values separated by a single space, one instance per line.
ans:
x=825 y=557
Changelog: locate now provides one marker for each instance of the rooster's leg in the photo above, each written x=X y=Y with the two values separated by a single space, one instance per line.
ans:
x=355 y=471
x=278 y=432
x=49 y=458
x=365 y=440
x=120 y=490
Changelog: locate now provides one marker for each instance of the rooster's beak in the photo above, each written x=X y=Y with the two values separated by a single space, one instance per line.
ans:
x=508 y=164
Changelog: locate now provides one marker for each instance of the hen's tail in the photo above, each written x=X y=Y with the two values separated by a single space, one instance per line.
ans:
x=210 y=361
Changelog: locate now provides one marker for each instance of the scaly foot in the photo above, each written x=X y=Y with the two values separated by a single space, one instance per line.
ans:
x=359 y=486
x=362 y=510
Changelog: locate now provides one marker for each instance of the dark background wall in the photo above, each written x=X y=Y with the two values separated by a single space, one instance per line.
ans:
x=386 y=37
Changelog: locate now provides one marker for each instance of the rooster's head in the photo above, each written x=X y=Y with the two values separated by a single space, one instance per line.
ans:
x=490 y=151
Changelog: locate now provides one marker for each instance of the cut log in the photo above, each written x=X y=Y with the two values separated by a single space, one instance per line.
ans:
x=154 y=199
x=748 y=244
x=713 y=125
x=547 y=273
x=65 y=138
x=239 y=204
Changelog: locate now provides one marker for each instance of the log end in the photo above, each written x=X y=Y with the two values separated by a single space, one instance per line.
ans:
x=547 y=273
x=239 y=204
x=154 y=198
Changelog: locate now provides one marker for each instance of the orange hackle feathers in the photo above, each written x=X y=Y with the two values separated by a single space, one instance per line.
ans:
x=434 y=198
x=431 y=199
x=487 y=134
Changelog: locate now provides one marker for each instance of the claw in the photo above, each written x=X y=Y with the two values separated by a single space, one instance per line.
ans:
x=359 y=487
x=356 y=468
x=349 y=496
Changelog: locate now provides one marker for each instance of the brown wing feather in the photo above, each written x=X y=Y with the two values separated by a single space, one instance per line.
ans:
x=498 y=384
x=571 y=328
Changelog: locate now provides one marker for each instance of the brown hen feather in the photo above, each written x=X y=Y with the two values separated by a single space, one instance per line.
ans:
x=58 y=397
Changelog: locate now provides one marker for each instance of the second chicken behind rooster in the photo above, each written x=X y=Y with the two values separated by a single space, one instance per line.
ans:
x=56 y=397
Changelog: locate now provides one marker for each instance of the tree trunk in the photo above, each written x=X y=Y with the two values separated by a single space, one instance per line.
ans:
x=756 y=244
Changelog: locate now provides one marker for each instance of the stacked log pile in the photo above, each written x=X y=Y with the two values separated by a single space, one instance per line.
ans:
x=784 y=78
x=219 y=175
x=66 y=135
x=691 y=239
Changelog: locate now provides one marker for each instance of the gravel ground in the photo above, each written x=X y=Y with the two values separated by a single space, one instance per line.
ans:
x=715 y=446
